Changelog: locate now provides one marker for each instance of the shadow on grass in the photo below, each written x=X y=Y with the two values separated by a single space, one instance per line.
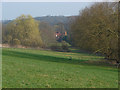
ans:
x=48 y=58
x=74 y=50
x=41 y=57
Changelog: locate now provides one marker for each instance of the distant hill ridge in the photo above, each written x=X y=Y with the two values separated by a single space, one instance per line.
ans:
x=52 y=20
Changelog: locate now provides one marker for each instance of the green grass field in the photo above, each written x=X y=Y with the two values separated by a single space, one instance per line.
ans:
x=28 y=68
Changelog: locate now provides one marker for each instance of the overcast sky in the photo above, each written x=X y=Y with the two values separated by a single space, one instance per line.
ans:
x=11 y=10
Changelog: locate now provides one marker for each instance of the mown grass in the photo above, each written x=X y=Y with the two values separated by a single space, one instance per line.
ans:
x=29 y=68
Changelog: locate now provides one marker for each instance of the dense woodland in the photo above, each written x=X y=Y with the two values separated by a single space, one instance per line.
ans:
x=94 y=29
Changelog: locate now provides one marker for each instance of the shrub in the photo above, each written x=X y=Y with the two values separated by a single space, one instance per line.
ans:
x=62 y=47
x=16 y=42
x=56 y=47
x=8 y=39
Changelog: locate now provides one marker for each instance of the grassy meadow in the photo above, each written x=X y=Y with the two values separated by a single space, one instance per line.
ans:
x=30 y=68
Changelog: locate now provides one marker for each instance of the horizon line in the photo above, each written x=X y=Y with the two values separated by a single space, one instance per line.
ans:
x=45 y=16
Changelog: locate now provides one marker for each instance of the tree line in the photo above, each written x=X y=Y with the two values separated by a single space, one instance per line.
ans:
x=27 y=31
x=96 y=29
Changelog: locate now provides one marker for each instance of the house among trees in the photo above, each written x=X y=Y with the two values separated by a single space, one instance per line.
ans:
x=58 y=34
x=61 y=36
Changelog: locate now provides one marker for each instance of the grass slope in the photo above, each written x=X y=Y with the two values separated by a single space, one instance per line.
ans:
x=29 y=68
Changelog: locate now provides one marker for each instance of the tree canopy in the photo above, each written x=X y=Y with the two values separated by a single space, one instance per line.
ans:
x=96 y=29
x=23 y=30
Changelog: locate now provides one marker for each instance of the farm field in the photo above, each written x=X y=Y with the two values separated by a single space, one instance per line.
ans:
x=30 y=68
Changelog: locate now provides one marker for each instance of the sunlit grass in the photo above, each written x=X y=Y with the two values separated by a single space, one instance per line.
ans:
x=29 y=68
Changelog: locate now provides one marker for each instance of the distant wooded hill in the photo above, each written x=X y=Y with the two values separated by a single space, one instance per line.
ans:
x=52 y=20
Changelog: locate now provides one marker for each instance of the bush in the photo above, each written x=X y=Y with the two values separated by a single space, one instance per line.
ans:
x=62 y=47
x=8 y=39
x=16 y=42
x=56 y=48
x=65 y=46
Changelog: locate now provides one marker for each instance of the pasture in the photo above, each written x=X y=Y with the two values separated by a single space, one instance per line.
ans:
x=30 y=68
